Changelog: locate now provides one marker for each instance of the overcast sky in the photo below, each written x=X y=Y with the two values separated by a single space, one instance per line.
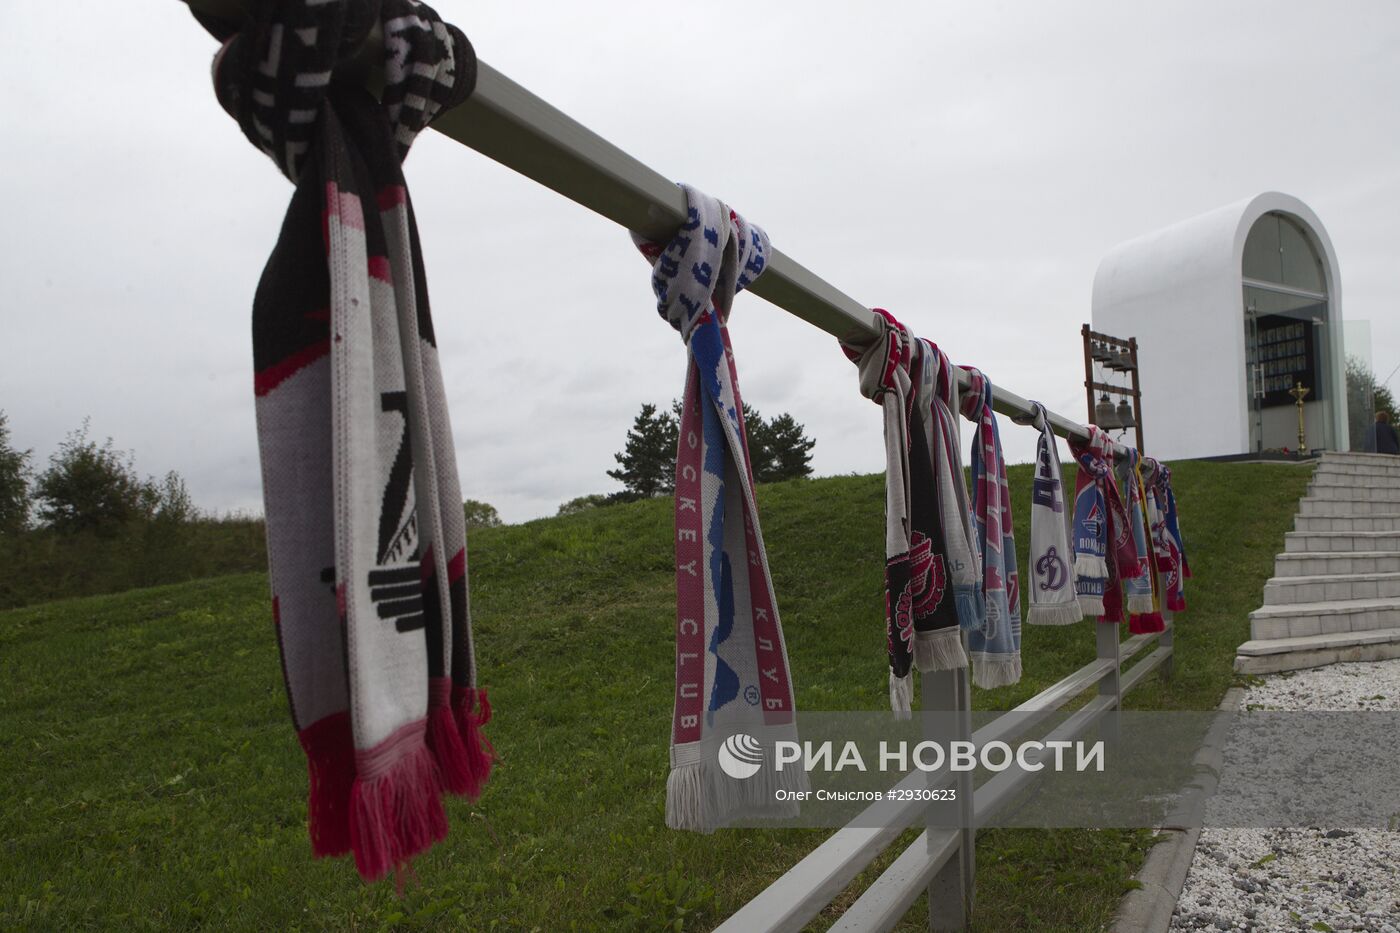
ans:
x=964 y=165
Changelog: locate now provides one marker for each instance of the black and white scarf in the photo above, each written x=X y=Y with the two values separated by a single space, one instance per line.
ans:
x=365 y=529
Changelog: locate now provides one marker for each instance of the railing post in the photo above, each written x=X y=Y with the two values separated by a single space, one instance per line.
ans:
x=1106 y=634
x=953 y=889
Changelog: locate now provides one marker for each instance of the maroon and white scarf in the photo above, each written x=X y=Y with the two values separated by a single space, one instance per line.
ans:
x=921 y=618
x=366 y=534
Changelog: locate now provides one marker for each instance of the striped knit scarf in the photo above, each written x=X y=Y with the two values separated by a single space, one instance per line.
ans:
x=1053 y=599
x=1102 y=536
x=995 y=645
x=921 y=620
x=1169 y=553
x=1144 y=610
x=733 y=692
x=365 y=530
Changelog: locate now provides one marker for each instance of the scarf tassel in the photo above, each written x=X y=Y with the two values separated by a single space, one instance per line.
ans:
x=902 y=695
x=1140 y=603
x=1092 y=606
x=396 y=808
x=1146 y=623
x=1056 y=613
x=699 y=798
x=330 y=771
x=472 y=710
x=1176 y=602
x=995 y=670
x=940 y=650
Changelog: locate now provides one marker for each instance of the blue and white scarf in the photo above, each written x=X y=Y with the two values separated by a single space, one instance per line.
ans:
x=995 y=645
x=733 y=691
x=1053 y=600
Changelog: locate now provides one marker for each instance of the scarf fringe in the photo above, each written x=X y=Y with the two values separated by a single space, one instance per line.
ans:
x=1176 y=602
x=472 y=710
x=445 y=739
x=1146 y=623
x=397 y=813
x=1090 y=565
x=330 y=772
x=902 y=695
x=1091 y=605
x=1056 y=614
x=701 y=798
x=971 y=605
x=940 y=650
x=1140 y=603
x=995 y=670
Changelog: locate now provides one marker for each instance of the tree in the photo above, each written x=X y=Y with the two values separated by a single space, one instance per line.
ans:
x=91 y=487
x=481 y=514
x=778 y=450
x=1365 y=397
x=789 y=449
x=582 y=504
x=15 y=475
x=647 y=465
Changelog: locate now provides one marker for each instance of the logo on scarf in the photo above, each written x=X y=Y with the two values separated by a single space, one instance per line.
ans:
x=1052 y=567
x=927 y=579
x=1093 y=522
x=740 y=756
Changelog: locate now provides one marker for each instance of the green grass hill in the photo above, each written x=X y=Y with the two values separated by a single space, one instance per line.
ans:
x=151 y=778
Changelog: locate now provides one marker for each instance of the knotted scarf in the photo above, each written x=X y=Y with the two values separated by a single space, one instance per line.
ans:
x=1102 y=536
x=995 y=645
x=1166 y=535
x=1053 y=599
x=732 y=679
x=1144 y=613
x=365 y=531
x=921 y=620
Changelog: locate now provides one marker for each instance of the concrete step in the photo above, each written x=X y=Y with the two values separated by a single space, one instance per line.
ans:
x=1291 y=591
x=1376 y=494
x=1324 y=618
x=1372 y=521
x=1331 y=542
x=1331 y=565
x=1269 y=656
x=1353 y=481
x=1353 y=456
x=1378 y=467
x=1338 y=508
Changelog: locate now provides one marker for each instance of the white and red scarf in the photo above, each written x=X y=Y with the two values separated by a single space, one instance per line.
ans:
x=921 y=617
x=1168 y=550
x=733 y=689
x=1103 y=541
x=365 y=530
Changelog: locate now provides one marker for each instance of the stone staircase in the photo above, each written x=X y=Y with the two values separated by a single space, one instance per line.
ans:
x=1335 y=593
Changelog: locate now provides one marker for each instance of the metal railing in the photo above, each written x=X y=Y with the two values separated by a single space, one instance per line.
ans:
x=509 y=124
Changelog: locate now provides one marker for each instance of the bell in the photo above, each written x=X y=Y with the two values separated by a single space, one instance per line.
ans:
x=1115 y=360
x=1125 y=414
x=1100 y=353
x=1125 y=361
x=1105 y=415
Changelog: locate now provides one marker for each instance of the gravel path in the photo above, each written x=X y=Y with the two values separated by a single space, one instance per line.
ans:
x=1301 y=879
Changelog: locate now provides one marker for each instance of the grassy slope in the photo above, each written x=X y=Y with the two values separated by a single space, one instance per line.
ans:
x=151 y=778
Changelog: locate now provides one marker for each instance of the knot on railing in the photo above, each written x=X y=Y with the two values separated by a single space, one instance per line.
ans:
x=275 y=70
